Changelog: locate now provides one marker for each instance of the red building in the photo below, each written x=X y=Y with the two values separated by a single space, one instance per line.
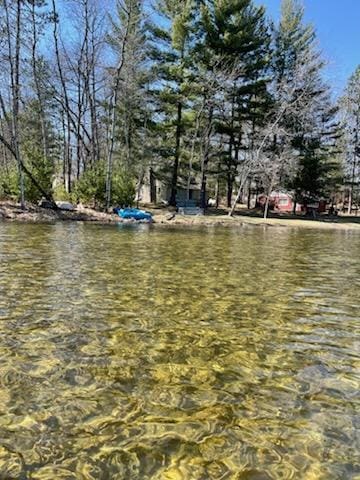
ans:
x=280 y=202
x=283 y=202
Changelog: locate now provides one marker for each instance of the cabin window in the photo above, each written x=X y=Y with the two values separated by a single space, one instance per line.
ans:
x=283 y=201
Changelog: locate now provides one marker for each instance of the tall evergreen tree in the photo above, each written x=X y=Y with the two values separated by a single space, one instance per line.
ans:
x=293 y=42
x=350 y=106
x=236 y=35
x=170 y=42
x=311 y=125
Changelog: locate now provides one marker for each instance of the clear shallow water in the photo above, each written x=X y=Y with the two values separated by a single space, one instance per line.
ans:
x=136 y=353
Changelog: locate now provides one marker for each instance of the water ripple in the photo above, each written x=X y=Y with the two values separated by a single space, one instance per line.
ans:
x=185 y=354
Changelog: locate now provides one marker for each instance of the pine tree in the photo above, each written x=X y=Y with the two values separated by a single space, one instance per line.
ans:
x=350 y=106
x=293 y=41
x=236 y=35
x=311 y=124
x=41 y=165
x=170 y=53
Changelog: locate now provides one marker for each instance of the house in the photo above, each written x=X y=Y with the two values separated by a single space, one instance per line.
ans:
x=315 y=206
x=159 y=191
x=284 y=203
x=281 y=202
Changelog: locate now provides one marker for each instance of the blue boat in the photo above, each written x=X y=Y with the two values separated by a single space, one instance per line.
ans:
x=133 y=213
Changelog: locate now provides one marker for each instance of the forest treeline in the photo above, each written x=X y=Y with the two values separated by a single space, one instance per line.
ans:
x=99 y=98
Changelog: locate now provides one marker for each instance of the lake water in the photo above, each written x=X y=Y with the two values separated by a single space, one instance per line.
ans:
x=178 y=354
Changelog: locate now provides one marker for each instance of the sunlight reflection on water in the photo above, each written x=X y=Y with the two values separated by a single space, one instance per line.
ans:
x=145 y=353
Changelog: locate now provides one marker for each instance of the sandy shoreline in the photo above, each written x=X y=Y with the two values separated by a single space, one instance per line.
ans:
x=246 y=220
x=10 y=211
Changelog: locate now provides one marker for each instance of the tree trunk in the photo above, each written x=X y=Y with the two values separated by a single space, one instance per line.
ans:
x=243 y=181
x=139 y=187
x=229 y=175
x=78 y=141
x=65 y=95
x=80 y=106
x=249 y=195
x=193 y=144
x=266 y=209
x=205 y=160
x=113 y=105
x=38 y=84
x=229 y=191
x=351 y=189
x=64 y=162
x=152 y=181
x=94 y=128
x=17 y=100
x=15 y=90
x=217 y=192
x=350 y=201
x=69 y=158
x=174 y=177
x=93 y=103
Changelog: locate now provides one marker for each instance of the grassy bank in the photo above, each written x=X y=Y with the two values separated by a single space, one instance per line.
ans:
x=162 y=216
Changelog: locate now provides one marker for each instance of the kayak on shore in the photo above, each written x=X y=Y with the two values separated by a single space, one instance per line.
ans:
x=133 y=213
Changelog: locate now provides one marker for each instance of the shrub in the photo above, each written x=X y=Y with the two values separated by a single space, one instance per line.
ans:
x=9 y=183
x=123 y=190
x=91 y=187
x=62 y=195
x=42 y=170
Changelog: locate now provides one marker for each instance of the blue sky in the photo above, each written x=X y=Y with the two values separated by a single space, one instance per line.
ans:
x=337 y=23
